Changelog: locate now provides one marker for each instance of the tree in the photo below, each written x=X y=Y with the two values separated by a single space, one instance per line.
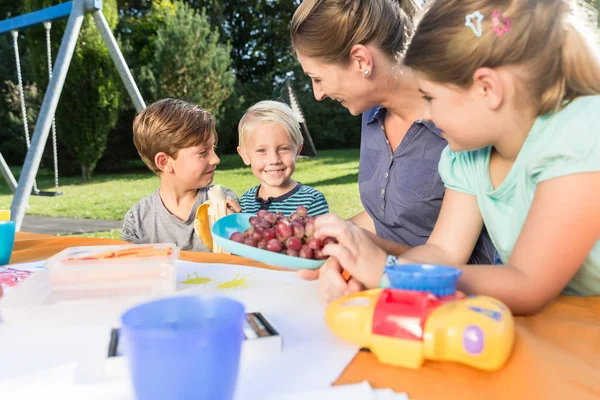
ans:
x=189 y=62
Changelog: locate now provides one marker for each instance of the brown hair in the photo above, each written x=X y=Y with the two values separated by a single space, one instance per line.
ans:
x=327 y=29
x=168 y=126
x=553 y=41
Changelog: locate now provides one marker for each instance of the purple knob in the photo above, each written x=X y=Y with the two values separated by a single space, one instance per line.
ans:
x=473 y=339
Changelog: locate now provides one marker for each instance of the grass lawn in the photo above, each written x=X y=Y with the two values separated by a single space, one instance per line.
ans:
x=335 y=173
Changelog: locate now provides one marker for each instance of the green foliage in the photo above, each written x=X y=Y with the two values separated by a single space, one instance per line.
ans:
x=89 y=102
x=335 y=173
x=189 y=62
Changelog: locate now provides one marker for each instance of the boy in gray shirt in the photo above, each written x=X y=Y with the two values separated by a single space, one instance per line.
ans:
x=176 y=140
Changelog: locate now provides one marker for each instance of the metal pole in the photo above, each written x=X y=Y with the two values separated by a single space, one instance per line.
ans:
x=117 y=57
x=42 y=128
x=8 y=176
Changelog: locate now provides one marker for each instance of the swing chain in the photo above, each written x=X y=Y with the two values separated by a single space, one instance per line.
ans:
x=15 y=35
x=48 y=26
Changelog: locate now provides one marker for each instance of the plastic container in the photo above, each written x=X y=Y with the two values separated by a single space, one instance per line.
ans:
x=7 y=240
x=437 y=279
x=184 y=347
x=224 y=227
x=74 y=274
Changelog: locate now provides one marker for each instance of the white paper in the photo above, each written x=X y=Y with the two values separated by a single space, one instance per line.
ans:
x=312 y=357
x=356 y=391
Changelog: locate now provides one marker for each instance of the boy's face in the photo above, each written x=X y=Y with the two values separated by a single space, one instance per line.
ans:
x=271 y=154
x=195 y=166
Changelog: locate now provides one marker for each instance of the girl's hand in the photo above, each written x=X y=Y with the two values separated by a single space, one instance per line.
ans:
x=331 y=283
x=355 y=252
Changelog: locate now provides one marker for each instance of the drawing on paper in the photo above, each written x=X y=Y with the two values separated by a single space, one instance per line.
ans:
x=239 y=281
x=10 y=277
x=236 y=283
x=196 y=281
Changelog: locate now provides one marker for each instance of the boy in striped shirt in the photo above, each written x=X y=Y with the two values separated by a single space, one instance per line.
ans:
x=270 y=142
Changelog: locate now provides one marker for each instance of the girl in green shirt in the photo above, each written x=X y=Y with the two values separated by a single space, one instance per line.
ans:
x=515 y=88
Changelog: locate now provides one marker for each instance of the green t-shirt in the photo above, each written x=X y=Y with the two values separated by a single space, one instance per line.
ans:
x=559 y=144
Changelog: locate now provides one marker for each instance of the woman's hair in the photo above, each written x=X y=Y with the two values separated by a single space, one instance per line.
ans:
x=327 y=29
x=269 y=111
x=553 y=42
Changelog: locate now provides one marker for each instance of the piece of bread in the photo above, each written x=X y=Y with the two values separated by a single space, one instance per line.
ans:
x=207 y=214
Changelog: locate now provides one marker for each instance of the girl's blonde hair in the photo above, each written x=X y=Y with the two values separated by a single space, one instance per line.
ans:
x=554 y=42
x=268 y=111
x=327 y=29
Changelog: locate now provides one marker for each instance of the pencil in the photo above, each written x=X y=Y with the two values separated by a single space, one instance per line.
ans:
x=346 y=275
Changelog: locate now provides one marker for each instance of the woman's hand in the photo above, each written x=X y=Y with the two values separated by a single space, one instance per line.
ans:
x=355 y=252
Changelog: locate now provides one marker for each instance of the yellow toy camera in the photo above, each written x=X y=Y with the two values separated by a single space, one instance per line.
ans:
x=405 y=327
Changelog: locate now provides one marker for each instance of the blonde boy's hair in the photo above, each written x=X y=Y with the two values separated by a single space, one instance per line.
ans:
x=554 y=42
x=327 y=29
x=270 y=112
x=168 y=126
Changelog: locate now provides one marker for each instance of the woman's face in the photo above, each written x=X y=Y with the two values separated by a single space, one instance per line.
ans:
x=348 y=85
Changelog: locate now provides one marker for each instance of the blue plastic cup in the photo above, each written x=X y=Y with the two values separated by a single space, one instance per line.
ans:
x=7 y=240
x=440 y=280
x=184 y=347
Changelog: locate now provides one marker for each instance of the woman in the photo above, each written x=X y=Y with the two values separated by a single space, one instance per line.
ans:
x=355 y=61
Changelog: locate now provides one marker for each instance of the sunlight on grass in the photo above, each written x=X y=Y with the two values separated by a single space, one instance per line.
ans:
x=335 y=173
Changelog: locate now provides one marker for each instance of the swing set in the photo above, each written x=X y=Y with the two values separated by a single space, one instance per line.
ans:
x=75 y=11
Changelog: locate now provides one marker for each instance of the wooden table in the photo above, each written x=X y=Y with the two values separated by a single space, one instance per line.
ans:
x=556 y=354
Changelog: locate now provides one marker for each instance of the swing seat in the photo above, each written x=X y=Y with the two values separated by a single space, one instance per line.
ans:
x=46 y=193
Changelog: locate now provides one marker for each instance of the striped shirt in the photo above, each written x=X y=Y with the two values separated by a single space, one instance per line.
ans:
x=300 y=195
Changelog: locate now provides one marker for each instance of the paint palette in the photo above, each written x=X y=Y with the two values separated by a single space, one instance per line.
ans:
x=224 y=227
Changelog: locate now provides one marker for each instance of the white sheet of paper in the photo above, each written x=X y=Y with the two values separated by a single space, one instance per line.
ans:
x=356 y=391
x=312 y=357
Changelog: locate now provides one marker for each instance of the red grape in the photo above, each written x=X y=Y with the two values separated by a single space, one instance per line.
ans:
x=315 y=243
x=291 y=252
x=301 y=211
x=293 y=235
x=283 y=229
x=263 y=224
x=257 y=235
x=237 y=237
x=270 y=217
x=305 y=252
x=261 y=214
x=294 y=243
x=250 y=242
x=274 y=245
x=309 y=228
x=298 y=229
x=269 y=233
x=319 y=255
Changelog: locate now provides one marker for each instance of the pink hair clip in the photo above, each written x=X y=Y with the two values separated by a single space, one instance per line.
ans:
x=501 y=24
